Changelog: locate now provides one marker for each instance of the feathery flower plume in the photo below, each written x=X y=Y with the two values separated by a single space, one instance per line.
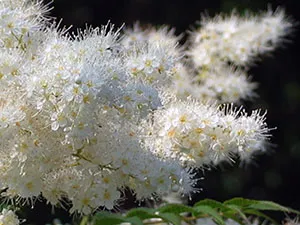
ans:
x=82 y=117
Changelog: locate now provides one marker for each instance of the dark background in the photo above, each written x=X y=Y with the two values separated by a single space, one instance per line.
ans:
x=274 y=176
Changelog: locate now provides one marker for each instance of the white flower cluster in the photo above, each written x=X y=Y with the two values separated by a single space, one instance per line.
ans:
x=197 y=134
x=237 y=40
x=223 y=49
x=82 y=117
x=8 y=217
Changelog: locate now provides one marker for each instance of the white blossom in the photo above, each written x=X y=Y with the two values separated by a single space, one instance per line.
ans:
x=82 y=117
x=237 y=40
x=8 y=217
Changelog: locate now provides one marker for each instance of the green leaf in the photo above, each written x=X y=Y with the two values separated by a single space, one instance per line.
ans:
x=268 y=205
x=234 y=216
x=142 y=213
x=238 y=210
x=226 y=212
x=175 y=208
x=249 y=206
x=146 y=213
x=212 y=203
x=211 y=212
x=243 y=202
x=260 y=205
x=114 y=219
x=170 y=218
x=108 y=219
x=135 y=220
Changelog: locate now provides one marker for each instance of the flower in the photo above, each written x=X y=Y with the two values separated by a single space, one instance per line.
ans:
x=8 y=217
x=237 y=40
x=199 y=135
x=84 y=116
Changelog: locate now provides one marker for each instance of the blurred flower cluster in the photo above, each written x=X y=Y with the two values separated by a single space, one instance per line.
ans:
x=84 y=116
x=8 y=217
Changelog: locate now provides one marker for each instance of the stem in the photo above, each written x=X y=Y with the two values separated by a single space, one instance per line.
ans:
x=80 y=156
x=84 y=220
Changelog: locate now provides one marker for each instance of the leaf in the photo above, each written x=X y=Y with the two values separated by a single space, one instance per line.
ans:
x=135 y=220
x=170 y=218
x=107 y=219
x=114 y=219
x=268 y=205
x=249 y=206
x=238 y=210
x=142 y=213
x=260 y=205
x=232 y=215
x=211 y=212
x=175 y=208
x=209 y=202
x=243 y=202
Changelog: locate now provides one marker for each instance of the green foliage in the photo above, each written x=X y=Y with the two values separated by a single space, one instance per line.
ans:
x=237 y=209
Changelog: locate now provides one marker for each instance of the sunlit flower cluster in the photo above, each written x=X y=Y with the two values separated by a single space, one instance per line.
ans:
x=85 y=116
x=197 y=134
